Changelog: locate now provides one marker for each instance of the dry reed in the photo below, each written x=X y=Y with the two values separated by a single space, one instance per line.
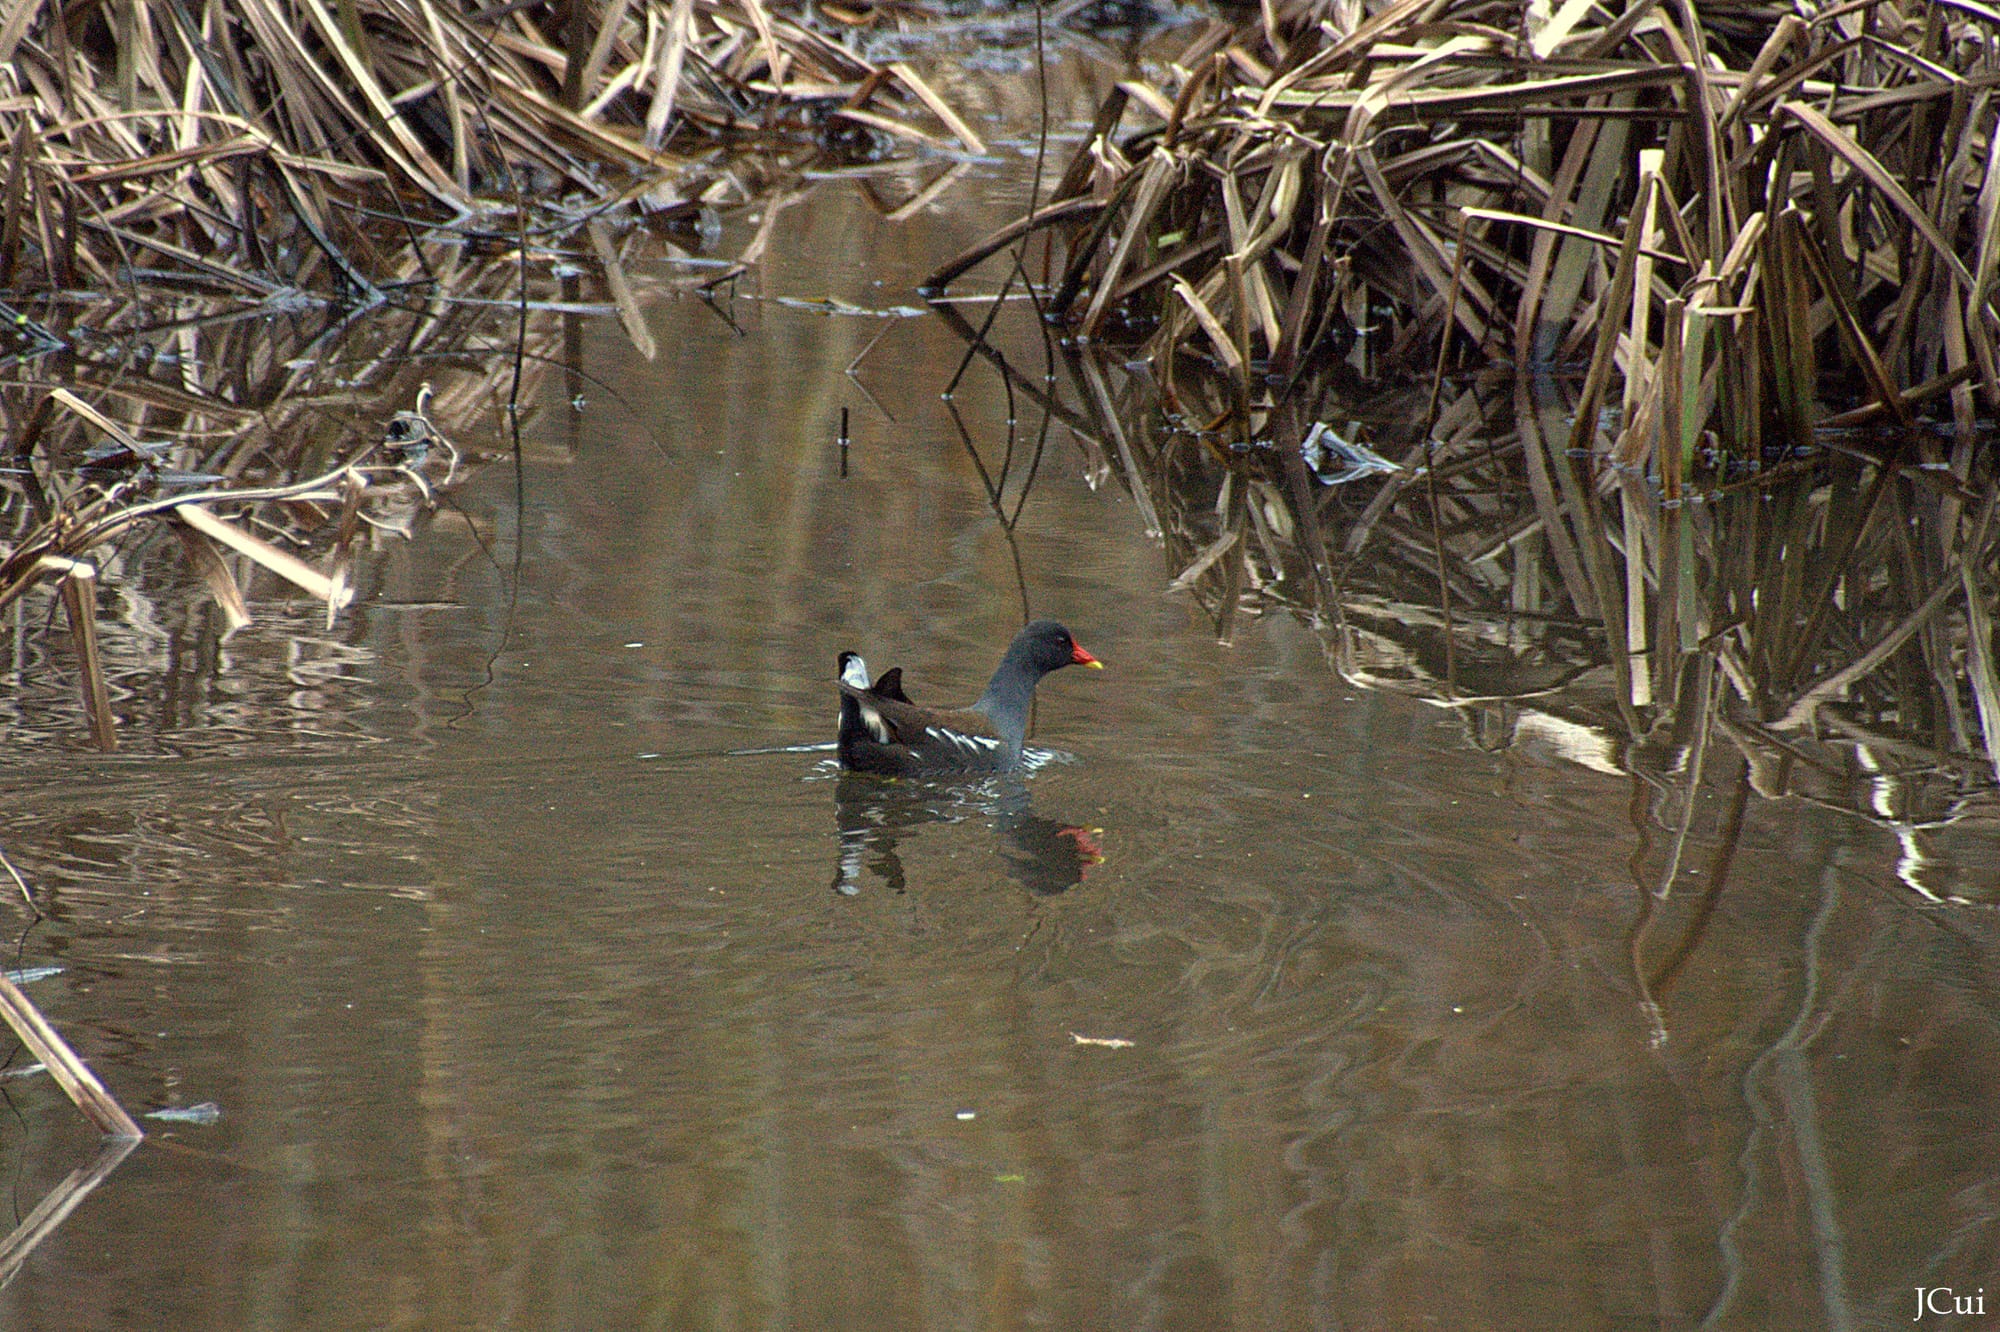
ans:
x=249 y=148
x=1679 y=320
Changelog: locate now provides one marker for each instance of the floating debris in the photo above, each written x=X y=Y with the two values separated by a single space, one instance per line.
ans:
x=206 y=1112
x=1336 y=461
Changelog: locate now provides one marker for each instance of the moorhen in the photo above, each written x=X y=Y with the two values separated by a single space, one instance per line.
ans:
x=882 y=731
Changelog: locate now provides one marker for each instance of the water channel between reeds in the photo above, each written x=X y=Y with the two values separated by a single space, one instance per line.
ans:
x=521 y=971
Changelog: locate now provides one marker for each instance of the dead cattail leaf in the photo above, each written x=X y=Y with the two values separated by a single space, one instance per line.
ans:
x=629 y=313
x=340 y=581
x=1203 y=562
x=1153 y=181
x=1844 y=146
x=287 y=566
x=79 y=593
x=1218 y=336
x=89 y=413
x=222 y=585
x=939 y=107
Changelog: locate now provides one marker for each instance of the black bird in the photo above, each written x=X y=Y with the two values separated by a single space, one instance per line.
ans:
x=881 y=731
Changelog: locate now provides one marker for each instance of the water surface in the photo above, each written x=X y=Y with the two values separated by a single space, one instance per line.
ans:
x=540 y=982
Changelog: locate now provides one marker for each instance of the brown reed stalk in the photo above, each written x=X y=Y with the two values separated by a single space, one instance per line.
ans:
x=75 y=1078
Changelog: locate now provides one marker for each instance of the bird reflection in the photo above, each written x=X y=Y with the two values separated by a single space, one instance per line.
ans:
x=871 y=814
x=1045 y=856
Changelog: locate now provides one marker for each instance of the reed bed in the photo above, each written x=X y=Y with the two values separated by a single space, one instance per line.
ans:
x=1779 y=207
x=253 y=147
x=1677 y=320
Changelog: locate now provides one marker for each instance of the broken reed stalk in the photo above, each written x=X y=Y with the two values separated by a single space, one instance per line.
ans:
x=69 y=1072
x=79 y=593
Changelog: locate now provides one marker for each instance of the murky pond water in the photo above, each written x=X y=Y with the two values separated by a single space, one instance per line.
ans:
x=540 y=981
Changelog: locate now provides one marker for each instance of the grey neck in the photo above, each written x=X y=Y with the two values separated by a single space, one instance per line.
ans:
x=1006 y=701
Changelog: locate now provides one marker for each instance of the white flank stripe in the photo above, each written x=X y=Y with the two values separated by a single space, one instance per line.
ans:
x=972 y=744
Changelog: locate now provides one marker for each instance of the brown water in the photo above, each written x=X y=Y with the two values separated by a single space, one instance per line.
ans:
x=529 y=1000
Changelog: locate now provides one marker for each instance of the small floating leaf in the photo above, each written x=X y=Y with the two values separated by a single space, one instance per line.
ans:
x=207 y=1112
